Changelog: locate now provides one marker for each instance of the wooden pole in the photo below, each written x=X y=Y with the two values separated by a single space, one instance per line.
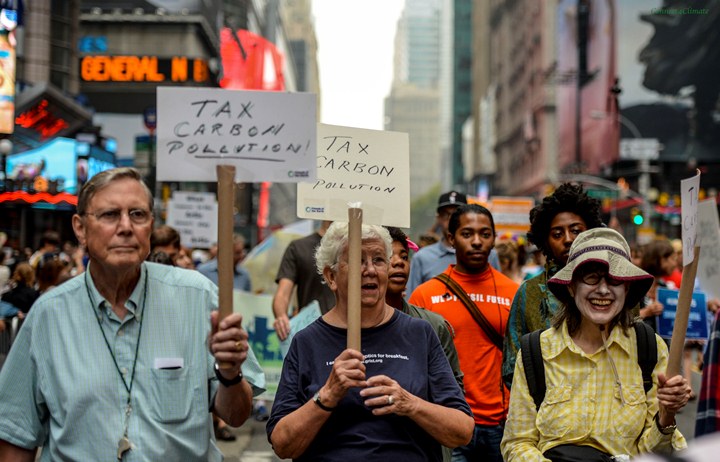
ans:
x=226 y=201
x=682 y=313
x=355 y=216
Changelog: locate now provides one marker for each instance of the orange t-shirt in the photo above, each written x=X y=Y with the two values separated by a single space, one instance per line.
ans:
x=480 y=359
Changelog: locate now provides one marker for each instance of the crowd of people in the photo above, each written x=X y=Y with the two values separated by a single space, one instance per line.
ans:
x=474 y=347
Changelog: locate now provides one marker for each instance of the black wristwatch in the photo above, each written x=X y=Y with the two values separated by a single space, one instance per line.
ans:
x=227 y=382
x=318 y=403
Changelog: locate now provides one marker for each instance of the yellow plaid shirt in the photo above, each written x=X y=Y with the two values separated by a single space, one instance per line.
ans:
x=583 y=403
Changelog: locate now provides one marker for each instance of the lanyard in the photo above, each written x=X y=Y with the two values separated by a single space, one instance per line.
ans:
x=124 y=443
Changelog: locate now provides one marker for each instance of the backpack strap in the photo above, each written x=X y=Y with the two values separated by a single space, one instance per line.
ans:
x=647 y=352
x=531 y=352
x=495 y=337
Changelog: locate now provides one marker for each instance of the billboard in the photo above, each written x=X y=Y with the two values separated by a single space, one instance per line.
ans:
x=668 y=62
x=8 y=22
x=596 y=111
x=61 y=165
x=250 y=62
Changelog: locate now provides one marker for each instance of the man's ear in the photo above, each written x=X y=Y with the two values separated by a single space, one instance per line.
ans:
x=451 y=239
x=79 y=228
x=329 y=276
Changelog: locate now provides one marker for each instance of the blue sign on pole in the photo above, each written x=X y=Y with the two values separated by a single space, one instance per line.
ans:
x=697 y=322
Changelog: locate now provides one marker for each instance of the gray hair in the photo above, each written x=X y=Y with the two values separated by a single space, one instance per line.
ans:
x=103 y=179
x=335 y=240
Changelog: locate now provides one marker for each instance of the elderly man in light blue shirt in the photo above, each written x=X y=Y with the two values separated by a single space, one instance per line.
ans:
x=241 y=278
x=120 y=362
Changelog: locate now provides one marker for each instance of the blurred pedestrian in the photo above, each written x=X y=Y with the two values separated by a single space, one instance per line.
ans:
x=22 y=293
x=49 y=243
x=241 y=278
x=297 y=269
x=124 y=357
x=509 y=257
x=554 y=225
x=166 y=239
x=53 y=269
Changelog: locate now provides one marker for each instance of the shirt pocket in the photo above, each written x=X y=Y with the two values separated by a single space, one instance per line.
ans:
x=629 y=419
x=171 y=395
x=555 y=414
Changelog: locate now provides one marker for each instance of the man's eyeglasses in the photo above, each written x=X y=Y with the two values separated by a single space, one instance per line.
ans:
x=113 y=217
x=593 y=278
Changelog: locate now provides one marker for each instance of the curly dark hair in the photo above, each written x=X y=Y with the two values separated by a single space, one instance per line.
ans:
x=567 y=197
x=397 y=234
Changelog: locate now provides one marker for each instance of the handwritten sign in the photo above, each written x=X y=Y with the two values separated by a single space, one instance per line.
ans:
x=358 y=165
x=689 y=188
x=194 y=216
x=266 y=136
x=697 y=321
x=709 y=239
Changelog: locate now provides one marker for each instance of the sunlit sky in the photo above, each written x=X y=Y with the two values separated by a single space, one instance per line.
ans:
x=355 y=53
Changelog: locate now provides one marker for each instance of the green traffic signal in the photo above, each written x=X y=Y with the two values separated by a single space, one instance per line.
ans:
x=638 y=219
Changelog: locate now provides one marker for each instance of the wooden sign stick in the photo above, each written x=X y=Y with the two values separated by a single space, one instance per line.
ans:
x=355 y=216
x=682 y=313
x=226 y=201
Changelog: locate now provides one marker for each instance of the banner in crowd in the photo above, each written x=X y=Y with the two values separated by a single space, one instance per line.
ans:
x=697 y=322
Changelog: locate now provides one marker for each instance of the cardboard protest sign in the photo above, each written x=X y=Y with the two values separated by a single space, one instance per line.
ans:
x=266 y=136
x=697 y=327
x=358 y=165
x=689 y=189
x=195 y=216
x=709 y=239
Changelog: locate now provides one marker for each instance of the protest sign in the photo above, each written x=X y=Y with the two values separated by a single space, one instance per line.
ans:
x=266 y=136
x=709 y=239
x=697 y=327
x=358 y=165
x=194 y=216
x=689 y=197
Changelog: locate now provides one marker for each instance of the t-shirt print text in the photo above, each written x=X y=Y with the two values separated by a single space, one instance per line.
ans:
x=377 y=358
x=480 y=298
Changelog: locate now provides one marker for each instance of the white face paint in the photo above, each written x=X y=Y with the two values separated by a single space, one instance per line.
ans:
x=598 y=297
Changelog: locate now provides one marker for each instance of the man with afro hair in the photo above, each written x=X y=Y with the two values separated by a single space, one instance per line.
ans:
x=554 y=225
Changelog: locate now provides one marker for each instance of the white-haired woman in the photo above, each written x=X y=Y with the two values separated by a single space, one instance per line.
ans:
x=395 y=400
x=595 y=405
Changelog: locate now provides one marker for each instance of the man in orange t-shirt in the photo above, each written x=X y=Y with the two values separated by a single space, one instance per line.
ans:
x=471 y=232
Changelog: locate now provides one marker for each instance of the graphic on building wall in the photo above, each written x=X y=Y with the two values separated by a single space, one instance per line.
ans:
x=250 y=62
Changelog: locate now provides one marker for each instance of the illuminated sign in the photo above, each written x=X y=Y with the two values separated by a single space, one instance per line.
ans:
x=41 y=119
x=143 y=69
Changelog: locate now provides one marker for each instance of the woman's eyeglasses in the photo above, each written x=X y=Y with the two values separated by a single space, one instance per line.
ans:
x=594 y=277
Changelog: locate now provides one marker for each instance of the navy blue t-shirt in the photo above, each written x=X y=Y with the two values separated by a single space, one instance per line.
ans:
x=405 y=349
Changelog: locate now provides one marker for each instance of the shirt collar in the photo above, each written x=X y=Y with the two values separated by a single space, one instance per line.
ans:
x=553 y=349
x=132 y=304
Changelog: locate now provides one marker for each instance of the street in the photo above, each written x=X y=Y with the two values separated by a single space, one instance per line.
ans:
x=251 y=445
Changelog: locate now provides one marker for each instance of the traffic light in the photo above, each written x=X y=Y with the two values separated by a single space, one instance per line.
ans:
x=637 y=216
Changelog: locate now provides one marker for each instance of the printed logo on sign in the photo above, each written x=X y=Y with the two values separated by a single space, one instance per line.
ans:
x=299 y=174
x=314 y=209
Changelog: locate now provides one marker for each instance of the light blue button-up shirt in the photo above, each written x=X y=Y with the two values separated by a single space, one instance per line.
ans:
x=60 y=389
